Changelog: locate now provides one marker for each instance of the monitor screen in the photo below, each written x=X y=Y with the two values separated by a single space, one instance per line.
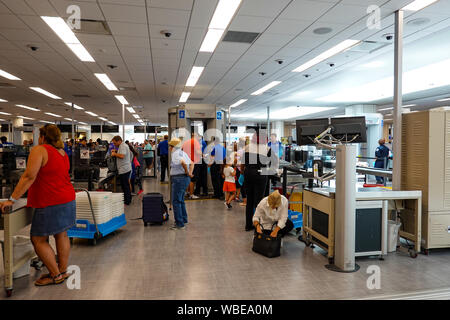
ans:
x=308 y=130
x=350 y=129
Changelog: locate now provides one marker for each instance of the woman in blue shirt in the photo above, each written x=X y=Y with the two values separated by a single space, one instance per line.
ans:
x=181 y=168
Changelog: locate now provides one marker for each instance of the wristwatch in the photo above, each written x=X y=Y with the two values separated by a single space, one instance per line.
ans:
x=12 y=199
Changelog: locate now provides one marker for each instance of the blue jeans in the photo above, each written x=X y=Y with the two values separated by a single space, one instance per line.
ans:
x=179 y=186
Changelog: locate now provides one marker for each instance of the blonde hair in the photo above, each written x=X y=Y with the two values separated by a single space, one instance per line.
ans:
x=52 y=135
x=274 y=199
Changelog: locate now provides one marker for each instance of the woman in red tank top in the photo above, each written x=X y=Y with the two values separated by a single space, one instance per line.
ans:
x=52 y=196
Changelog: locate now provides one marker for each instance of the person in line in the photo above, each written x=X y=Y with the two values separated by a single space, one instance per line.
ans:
x=68 y=146
x=381 y=153
x=277 y=150
x=148 y=156
x=229 y=185
x=181 y=169
x=123 y=156
x=240 y=189
x=218 y=156
x=52 y=196
x=272 y=214
x=4 y=142
x=194 y=151
x=257 y=156
x=163 y=153
x=135 y=171
x=201 y=172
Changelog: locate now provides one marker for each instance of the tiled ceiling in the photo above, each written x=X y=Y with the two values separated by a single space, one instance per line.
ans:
x=156 y=67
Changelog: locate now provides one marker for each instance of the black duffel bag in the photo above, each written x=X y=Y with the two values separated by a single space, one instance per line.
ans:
x=265 y=244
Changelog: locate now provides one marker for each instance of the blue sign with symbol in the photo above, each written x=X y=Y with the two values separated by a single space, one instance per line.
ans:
x=219 y=115
x=182 y=114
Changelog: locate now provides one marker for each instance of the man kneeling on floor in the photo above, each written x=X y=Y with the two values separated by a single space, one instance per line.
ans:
x=272 y=211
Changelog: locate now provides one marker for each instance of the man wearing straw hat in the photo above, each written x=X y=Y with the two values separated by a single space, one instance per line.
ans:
x=181 y=168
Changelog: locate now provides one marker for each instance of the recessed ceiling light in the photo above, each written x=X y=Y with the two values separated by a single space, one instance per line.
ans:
x=8 y=76
x=386 y=109
x=2 y=100
x=103 y=77
x=136 y=116
x=63 y=31
x=52 y=114
x=211 y=40
x=194 y=76
x=70 y=119
x=131 y=110
x=74 y=105
x=184 y=96
x=238 y=103
x=418 y=5
x=91 y=114
x=122 y=99
x=26 y=118
x=5 y=113
x=46 y=93
x=103 y=119
x=443 y=100
x=26 y=107
x=84 y=123
x=265 y=88
x=113 y=123
x=344 y=45
x=46 y=121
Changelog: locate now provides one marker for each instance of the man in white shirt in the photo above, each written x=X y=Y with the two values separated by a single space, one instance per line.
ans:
x=272 y=212
x=123 y=156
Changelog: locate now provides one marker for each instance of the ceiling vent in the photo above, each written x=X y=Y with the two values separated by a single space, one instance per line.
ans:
x=81 y=96
x=240 y=37
x=322 y=31
x=7 y=85
x=369 y=46
x=93 y=27
x=77 y=80
x=127 y=89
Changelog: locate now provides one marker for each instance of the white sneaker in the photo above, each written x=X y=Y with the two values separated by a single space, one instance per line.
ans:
x=194 y=197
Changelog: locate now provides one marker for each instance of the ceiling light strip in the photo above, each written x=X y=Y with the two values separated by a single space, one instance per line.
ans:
x=103 y=77
x=3 y=100
x=194 y=76
x=418 y=5
x=8 y=76
x=184 y=97
x=27 y=107
x=238 y=103
x=52 y=114
x=46 y=93
x=91 y=114
x=266 y=88
x=74 y=105
x=344 y=45
x=122 y=100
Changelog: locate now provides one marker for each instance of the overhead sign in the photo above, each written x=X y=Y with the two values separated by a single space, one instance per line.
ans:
x=182 y=114
x=219 y=115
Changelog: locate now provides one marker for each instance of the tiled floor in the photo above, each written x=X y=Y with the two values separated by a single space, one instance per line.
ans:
x=212 y=259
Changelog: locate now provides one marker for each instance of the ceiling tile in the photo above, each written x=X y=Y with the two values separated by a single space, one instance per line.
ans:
x=9 y=21
x=89 y=10
x=306 y=10
x=172 y=4
x=168 y=17
x=128 y=29
x=262 y=8
x=42 y=7
x=19 y=7
x=124 y=13
x=250 y=23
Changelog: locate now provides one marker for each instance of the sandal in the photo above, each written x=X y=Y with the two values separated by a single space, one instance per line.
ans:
x=48 y=276
x=64 y=274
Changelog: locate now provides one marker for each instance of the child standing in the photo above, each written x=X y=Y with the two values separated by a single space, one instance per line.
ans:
x=229 y=186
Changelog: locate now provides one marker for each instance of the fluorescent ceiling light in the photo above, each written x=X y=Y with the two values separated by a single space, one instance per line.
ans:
x=64 y=32
x=185 y=96
x=113 y=123
x=103 y=77
x=74 y=105
x=409 y=105
x=46 y=121
x=26 y=107
x=103 y=119
x=44 y=92
x=386 y=109
x=91 y=114
x=442 y=100
x=2 y=120
x=194 y=76
x=2 y=100
x=211 y=40
x=131 y=110
x=224 y=14
x=5 y=113
x=122 y=99
x=82 y=123
x=425 y=78
x=52 y=114
x=264 y=89
x=238 y=103
x=344 y=45
x=418 y=5
x=26 y=118
x=136 y=116
x=8 y=76
x=286 y=113
x=70 y=119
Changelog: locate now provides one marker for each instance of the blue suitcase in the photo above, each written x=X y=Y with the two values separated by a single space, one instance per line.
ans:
x=154 y=210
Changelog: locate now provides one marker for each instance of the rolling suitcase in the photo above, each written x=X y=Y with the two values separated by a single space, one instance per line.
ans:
x=154 y=210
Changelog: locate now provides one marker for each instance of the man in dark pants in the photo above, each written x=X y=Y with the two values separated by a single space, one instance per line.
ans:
x=218 y=156
x=381 y=153
x=123 y=156
x=201 y=173
x=163 y=152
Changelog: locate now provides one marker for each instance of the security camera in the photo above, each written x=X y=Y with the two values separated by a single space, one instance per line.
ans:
x=331 y=65
x=111 y=66
x=389 y=36
x=279 y=61
x=262 y=73
x=166 y=33
x=33 y=48
x=163 y=101
x=307 y=75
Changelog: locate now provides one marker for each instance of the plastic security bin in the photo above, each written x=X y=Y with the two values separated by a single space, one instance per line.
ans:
x=22 y=247
x=393 y=228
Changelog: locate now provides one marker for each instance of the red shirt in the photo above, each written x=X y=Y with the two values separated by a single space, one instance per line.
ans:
x=52 y=185
x=193 y=149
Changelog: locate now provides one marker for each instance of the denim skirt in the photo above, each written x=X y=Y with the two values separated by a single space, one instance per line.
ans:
x=53 y=219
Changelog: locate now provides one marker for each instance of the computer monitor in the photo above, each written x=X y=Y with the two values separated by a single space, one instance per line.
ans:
x=301 y=156
x=347 y=129
x=308 y=130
